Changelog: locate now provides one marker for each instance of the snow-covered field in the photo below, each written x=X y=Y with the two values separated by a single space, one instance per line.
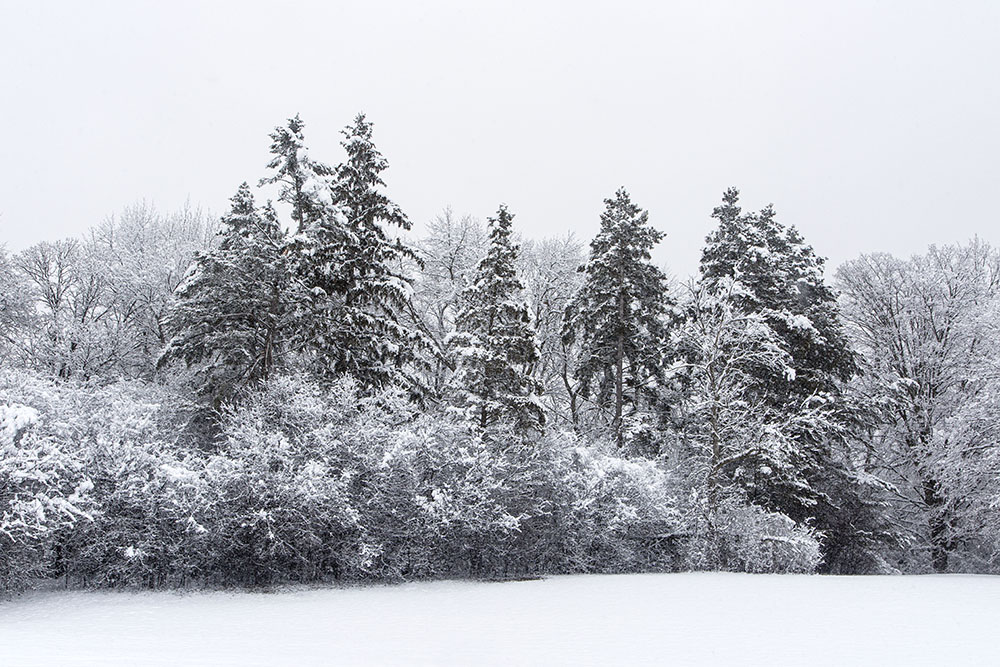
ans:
x=671 y=619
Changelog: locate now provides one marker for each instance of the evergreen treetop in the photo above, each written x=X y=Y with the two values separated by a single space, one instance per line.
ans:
x=304 y=183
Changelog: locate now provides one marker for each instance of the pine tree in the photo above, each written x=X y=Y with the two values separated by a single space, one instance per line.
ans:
x=231 y=313
x=345 y=261
x=494 y=343
x=779 y=276
x=619 y=316
x=764 y=269
x=381 y=350
x=317 y=251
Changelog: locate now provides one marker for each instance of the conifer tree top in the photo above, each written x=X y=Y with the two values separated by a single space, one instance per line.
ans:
x=360 y=180
x=304 y=183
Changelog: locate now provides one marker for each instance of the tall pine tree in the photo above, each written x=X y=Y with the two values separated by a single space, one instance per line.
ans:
x=494 y=342
x=350 y=268
x=383 y=350
x=619 y=316
x=768 y=269
x=765 y=270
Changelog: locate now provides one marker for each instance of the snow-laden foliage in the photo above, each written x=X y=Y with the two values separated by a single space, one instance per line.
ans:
x=110 y=441
x=448 y=256
x=15 y=307
x=730 y=534
x=770 y=345
x=348 y=261
x=43 y=489
x=304 y=184
x=967 y=467
x=400 y=495
x=549 y=271
x=384 y=351
x=311 y=483
x=95 y=306
x=927 y=328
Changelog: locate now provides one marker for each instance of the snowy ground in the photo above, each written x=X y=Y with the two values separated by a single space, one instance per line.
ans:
x=672 y=619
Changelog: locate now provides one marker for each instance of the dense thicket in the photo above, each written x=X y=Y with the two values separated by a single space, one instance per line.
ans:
x=302 y=392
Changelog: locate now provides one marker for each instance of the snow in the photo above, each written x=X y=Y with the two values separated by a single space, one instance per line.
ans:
x=666 y=619
x=14 y=419
x=800 y=322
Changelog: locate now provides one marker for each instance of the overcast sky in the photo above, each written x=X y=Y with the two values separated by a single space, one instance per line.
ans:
x=870 y=125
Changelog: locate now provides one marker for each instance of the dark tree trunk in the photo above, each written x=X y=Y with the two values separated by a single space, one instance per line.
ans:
x=619 y=371
x=938 y=523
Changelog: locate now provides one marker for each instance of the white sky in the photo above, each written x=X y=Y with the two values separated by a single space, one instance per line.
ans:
x=870 y=125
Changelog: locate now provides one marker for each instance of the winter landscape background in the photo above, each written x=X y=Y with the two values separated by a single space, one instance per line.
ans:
x=310 y=390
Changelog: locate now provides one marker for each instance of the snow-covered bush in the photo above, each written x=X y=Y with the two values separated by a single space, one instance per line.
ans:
x=337 y=485
x=308 y=483
x=147 y=529
x=728 y=533
x=42 y=490
x=112 y=447
x=334 y=485
x=604 y=513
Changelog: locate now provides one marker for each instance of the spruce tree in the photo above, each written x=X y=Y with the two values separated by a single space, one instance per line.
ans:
x=774 y=273
x=231 y=314
x=317 y=251
x=764 y=269
x=350 y=270
x=381 y=349
x=619 y=316
x=494 y=344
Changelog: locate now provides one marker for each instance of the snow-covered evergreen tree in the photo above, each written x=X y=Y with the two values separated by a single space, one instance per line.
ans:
x=384 y=351
x=494 y=345
x=316 y=251
x=779 y=276
x=231 y=317
x=346 y=261
x=619 y=316
x=763 y=269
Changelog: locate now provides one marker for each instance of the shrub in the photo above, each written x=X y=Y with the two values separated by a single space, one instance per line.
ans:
x=731 y=534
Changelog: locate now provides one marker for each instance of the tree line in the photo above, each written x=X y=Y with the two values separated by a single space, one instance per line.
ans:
x=302 y=391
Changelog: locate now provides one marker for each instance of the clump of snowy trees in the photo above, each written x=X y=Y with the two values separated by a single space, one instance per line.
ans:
x=303 y=391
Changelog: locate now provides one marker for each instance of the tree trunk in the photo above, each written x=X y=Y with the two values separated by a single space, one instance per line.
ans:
x=619 y=380
x=938 y=524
